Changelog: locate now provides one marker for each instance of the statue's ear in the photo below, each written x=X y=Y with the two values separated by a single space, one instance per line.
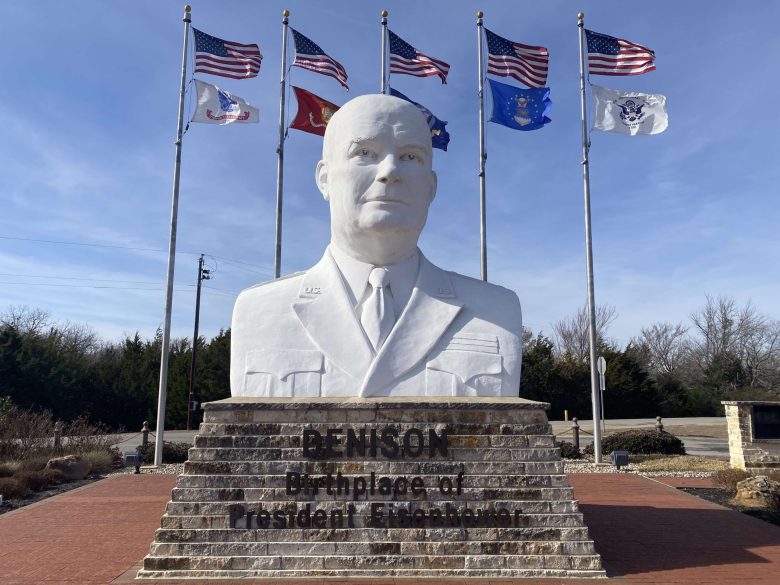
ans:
x=321 y=176
x=434 y=184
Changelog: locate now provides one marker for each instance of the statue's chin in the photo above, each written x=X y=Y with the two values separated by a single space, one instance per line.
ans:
x=387 y=221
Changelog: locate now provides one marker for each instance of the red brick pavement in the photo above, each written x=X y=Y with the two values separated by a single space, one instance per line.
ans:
x=646 y=532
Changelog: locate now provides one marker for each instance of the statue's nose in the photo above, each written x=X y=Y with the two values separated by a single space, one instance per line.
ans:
x=388 y=170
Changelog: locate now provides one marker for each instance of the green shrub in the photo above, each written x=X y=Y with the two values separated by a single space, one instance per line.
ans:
x=172 y=452
x=54 y=476
x=640 y=442
x=10 y=488
x=35 y=481
x=568 y=450
x=7 y=468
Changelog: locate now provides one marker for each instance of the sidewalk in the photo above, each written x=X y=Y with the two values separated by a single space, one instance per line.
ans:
x=646 y=532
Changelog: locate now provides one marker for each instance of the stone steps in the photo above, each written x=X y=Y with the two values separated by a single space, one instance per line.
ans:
x=379 y=467
x=378 y=562
x=515 y=512
x=278 y=481
x=278 y=495
x=271 y=429
x=574 y=547
x=178 y=508
x=372 y=534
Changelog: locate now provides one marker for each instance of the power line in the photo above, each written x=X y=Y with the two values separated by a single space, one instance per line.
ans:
x=222 y=291
x=236 y=263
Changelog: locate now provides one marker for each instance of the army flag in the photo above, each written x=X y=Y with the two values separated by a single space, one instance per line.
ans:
x=629 y=112
x=216 y=106
x=313 y=112
x=518 y=108
x=440 y=138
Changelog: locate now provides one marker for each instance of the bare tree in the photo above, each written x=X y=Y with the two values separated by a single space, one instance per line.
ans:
x=572 y=337
x=724 y=328
x=25 y=319
x=663 y=346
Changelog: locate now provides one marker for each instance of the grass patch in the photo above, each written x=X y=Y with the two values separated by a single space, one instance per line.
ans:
x=652 y=463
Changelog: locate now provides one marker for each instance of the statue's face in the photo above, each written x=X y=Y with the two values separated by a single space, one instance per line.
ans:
x=376 y=171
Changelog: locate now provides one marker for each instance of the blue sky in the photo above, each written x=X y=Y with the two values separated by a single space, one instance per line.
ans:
x=86 y=156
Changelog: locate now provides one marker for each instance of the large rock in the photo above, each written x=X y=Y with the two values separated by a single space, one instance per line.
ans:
x=72 y=467
x=758 y=491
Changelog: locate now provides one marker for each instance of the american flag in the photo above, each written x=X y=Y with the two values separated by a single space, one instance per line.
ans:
x=525 y=63
x=309 y=55
x=225 y=58
x=612 y=56
x=404 y=58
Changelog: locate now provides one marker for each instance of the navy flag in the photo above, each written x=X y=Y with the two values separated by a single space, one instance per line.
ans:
x=518 y=108
x=440 y=138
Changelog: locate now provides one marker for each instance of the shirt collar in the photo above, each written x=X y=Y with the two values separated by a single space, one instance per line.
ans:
x=402 y=276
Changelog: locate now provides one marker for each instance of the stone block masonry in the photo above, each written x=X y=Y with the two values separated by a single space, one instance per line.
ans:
x=754 y=435
x=379 y=487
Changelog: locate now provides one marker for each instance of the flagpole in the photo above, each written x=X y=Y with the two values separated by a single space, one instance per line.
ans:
x=166 y=338
x=594 y=381
x=280 y=150
x=482 y=155
x=384 y=84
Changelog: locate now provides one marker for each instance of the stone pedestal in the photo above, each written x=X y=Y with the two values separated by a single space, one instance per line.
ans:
x=384 y=487
x=754 y=435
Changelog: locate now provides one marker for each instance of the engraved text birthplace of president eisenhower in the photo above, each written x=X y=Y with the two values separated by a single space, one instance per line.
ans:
x=346 y=442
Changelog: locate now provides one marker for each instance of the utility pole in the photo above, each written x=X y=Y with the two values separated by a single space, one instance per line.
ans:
x=202 y=275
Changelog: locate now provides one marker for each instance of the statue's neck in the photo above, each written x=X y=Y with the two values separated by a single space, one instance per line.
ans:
x=378 y=249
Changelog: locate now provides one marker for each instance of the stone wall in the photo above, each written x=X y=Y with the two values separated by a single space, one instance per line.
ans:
x=470 y=487
x=755 y=455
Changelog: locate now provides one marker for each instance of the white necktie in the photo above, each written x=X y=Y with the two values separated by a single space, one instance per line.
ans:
x=378 y=316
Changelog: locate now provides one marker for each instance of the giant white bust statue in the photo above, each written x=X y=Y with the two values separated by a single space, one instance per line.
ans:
x=374 y=317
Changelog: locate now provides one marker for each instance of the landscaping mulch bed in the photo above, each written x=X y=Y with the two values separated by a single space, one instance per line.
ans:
x=723 y=497
x=13 y=504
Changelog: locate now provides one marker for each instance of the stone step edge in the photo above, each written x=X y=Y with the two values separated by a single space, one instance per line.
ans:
x=274 y=574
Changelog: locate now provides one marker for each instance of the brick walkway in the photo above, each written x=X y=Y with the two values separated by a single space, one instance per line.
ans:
x=646 y=532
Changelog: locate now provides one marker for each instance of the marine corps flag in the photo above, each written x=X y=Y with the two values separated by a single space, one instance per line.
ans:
x=313 y=112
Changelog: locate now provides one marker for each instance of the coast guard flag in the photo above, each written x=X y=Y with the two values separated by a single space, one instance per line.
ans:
x=627 y=112
x=440 y=138
x=314 y=113
x=521 y=109
x=216 y=106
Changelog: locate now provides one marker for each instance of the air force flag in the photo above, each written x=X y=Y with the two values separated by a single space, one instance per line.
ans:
x=518 y=108
x=216 y=106
x=440 y=138
x=629 y=112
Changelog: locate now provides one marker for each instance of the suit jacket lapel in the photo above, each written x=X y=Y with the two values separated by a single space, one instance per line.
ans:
x=430 y=311
x=325 y=312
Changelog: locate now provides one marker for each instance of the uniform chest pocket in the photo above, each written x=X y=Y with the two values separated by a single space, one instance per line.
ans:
x=463 y=373
x=283 y=372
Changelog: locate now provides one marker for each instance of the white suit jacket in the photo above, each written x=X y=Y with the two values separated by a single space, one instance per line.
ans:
x=299 y=336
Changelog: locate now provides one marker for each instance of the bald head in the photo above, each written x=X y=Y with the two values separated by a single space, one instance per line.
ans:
x=375 y=109
x=376 y=173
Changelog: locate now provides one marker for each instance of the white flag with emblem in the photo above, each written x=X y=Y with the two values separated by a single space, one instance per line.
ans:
x=216 y=106
x=629 y=112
